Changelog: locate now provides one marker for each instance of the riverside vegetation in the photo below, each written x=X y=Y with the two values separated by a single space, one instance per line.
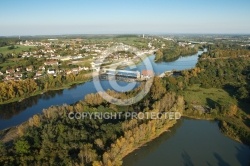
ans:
x=173 y=51
x=13 y=91
x=36 y=53
x=218 y=88
x=53 y=138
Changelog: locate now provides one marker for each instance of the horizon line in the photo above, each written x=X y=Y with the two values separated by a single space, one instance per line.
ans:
x=74 y=34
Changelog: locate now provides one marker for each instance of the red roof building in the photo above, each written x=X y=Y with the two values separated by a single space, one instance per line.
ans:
x=147 y=73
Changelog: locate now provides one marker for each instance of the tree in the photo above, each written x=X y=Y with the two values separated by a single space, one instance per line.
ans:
x=22 y=146
x=2 y=149
x=157 y=89
x=158 y=55
x=87 y=154
x=11 y=47
x=20 y=130
x=97 y=163
x=232 y=110
x=99 y=143
x=242 y=93
x=36 y=120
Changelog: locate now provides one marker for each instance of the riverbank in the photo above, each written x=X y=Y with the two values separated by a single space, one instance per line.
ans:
x=168 y=128
x=169 y=54
x=198 y=117
x=65 y=86
x=187 y=140
x=161 y=131
x=224 y=128
x=19 y=113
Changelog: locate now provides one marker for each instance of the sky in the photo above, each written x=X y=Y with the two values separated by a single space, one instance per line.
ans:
x=58 y=17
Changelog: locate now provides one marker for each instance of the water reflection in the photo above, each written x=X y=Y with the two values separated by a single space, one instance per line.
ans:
x=7 y=111
x=152 y=146
x=15 y=113
x=191 y=142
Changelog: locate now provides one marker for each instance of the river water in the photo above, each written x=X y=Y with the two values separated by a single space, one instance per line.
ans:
x=191 y=142
x=15 y=113
x=182 y=63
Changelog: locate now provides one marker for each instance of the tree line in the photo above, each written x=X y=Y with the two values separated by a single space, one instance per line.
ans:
x=232 y=75
x=12 y=90
x=52 y=138
x=171 y=53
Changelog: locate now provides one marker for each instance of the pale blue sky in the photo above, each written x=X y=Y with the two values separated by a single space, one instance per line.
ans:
x=46 y=17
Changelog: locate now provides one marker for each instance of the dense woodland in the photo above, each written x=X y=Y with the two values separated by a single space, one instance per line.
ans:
x=52 y=138
x=21 y=89
x=231 y=74
x=226 y=68
x=221 y=68
x=173 y=52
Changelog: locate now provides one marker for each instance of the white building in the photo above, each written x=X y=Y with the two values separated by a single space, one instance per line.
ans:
x=51 y=71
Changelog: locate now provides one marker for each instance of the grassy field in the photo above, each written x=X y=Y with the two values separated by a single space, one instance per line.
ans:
x=201 y=96
x=8 y=63
x=19 y=49
x=133 y=41
x=234 y=126
x=128 y=40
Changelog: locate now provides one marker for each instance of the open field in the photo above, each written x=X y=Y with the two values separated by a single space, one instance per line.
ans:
x=201 y=96
x=18 y=49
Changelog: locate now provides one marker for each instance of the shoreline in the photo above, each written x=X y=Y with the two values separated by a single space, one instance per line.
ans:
x=166 y=128
x=198 y=118
x=169 y=127
x=66 y=86
x=219 y=120
x=176 y=57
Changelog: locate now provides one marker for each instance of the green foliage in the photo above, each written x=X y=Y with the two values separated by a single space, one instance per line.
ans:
x=2 y=149
x=22 y=147
x=225 y=73
x=157 y=89
x=234 y=128
x=53 y=138
x=11 y=47
x=221 y=82
x=11 y=90
x=173 y=52
x=14 y=48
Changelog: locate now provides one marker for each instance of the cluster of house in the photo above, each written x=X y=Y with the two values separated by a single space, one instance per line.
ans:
x=18 y=73
x=168 y=38
x=33 y=43
x=87 y=47
x=54 y=72
x=68 y=58
x=53 y=59
x=184 y=44
x=96 y=64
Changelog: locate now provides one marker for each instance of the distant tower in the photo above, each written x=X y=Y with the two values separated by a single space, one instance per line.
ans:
x=143 y=36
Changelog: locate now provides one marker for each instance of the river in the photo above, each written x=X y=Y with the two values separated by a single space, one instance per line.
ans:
x=15 y=113
x=191 y=142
